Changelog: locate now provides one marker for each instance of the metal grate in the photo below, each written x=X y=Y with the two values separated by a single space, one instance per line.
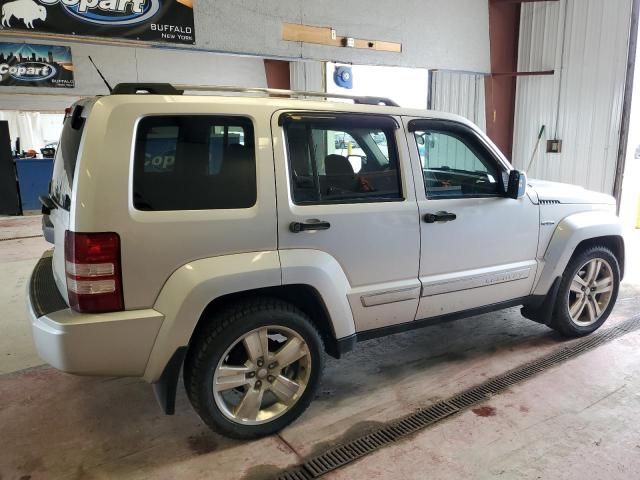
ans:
x=19 y=238
x=298 y=474
x=549 y=202
x=341 y=455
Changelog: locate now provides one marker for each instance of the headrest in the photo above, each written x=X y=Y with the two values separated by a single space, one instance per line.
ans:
x=337 y=165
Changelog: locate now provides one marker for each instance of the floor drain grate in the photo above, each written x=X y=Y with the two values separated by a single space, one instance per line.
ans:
x=19 y=238
x=425 y=417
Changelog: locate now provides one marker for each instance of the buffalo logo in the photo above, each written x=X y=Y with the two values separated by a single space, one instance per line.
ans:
x=25 y=10
x=28 y=71
x=109 y=12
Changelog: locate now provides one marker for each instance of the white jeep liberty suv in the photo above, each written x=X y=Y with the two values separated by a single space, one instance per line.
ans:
x=240 y=238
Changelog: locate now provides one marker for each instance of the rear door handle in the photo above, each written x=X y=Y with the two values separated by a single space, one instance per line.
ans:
x=309 y=225
x=439 y=217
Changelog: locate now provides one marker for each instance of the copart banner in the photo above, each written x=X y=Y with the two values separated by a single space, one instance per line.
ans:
x=35 y=65
x=148 y=20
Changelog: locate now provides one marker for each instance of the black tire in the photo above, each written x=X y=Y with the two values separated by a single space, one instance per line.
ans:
x=561 y=320
x=221 y=332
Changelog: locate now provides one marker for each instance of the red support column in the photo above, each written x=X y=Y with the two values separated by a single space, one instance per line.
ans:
x=500 y=90
x=278 y=74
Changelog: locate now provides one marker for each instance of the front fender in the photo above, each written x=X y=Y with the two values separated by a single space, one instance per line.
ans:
x=567 y=236
x=193 y=286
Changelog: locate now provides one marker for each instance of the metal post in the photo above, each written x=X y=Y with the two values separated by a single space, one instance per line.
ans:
x=626 y=108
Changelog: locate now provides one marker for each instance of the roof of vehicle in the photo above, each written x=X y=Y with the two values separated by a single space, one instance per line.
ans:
x=275 y=98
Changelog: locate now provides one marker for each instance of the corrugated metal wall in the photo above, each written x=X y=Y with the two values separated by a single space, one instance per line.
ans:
x=460 y=93
x=307 y=76
x=586 y=43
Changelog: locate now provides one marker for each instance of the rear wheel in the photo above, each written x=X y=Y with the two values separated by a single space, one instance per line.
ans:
x=254 y=368
x=587 y=293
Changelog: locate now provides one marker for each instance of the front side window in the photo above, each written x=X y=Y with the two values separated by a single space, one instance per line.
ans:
x=455 y=164
x=194 y=163
x=342 y=159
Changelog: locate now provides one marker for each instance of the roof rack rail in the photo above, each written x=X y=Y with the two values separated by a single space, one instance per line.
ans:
x=150 y=88
x=365 y=100
x=168 y=89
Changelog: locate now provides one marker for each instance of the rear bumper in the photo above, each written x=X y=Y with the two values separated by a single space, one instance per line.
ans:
x=112 y=344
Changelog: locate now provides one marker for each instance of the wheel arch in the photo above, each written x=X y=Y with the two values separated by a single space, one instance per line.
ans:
x=571 y=236
x=305 y=297
x=615 y=243
x=312 y=280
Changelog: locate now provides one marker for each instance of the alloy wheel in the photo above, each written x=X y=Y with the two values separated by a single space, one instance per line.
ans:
x=590 y=292
x=262 y=375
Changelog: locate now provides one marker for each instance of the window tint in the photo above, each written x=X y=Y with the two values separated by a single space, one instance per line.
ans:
x=194 y=163
x=380 y=139
x=337 y=161
x=64 y=165
x=456 y=165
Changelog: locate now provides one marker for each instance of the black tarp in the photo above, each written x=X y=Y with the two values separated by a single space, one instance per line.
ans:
x=9 y=200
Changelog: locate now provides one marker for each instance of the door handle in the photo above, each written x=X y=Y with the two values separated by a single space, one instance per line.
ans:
x=439 y=217
x=309 y=225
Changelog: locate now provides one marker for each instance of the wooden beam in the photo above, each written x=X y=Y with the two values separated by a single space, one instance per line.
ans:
x=294 y=32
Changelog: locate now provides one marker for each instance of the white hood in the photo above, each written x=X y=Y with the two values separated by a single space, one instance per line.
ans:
x=567 y=193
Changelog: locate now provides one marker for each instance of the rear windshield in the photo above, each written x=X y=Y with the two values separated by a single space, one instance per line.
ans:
x=194 y=163
x=64 y=166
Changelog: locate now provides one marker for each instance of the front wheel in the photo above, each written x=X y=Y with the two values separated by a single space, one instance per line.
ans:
x=587 y=293
x=254 y=368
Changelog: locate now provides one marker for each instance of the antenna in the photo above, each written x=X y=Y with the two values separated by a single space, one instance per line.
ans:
x=100 y=73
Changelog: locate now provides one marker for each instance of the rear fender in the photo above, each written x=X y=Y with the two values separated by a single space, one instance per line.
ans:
x=193 y=286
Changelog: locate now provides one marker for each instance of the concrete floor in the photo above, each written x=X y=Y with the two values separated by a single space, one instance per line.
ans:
x=578 y=420
x=17 y=259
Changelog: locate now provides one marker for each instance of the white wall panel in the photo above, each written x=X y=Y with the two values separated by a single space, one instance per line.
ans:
x=442 y=34
x=408 y=87
x=434 y=33
x=459 y=93
x=586 y=43
x=34 y=129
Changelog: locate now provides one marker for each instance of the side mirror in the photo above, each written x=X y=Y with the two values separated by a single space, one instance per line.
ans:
x=517 y=184
x=420 y=139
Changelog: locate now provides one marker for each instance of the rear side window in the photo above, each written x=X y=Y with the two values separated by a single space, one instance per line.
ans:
x=194 y=163
x=342 y=158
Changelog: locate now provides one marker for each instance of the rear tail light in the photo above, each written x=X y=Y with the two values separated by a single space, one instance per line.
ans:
x=92 y=264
